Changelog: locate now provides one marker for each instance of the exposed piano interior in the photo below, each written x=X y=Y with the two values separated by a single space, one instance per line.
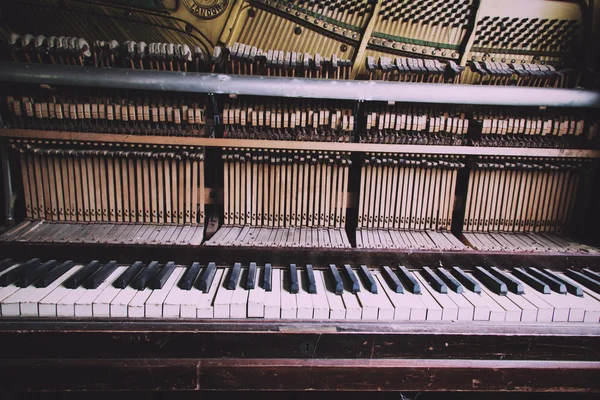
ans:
x=300 y=195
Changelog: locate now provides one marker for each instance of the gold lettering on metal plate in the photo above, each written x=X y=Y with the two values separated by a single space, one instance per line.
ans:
x=206 y=9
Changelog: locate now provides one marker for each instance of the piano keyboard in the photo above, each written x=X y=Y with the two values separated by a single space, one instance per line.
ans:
x=526 y=294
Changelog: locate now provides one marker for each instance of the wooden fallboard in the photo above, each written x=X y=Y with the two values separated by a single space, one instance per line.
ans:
x=241 y=355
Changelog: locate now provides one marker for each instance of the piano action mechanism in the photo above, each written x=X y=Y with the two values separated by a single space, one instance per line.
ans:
x=282 y=195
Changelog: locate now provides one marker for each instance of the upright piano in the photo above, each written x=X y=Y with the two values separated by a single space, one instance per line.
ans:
x=373 y=195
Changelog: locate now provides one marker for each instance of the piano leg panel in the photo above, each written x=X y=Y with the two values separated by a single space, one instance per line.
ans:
x=288 y=374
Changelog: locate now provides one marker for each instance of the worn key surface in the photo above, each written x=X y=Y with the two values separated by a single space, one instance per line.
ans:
x=189 y=277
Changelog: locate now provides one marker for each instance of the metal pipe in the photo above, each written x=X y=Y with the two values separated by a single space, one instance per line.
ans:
x=296 y=87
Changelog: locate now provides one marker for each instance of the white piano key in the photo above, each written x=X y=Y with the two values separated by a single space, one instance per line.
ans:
x=321 y=307
x=153 y=308
x=273 y=298
x=407 y=306
x=119 y=306
x=101 y=306
x=65 y=307
x=588 y=302
x=10 y=289
x=83 y=305
x=30 y=305
x=336 y=304
x=204 y=306
x=481 y=308
x=239 y=299
x=256 y=298
x=172 y=304
x=375 y=306
x=497 y=313
x=560 y=308
x=544 y=310
x=353 y=308
x=10 y=305
x=136 y=307
x=512 y=312
x=304 y=301
x=466 y=310
x=223 y=298
x=448 y=310
x=528 y=311
x=288 y=300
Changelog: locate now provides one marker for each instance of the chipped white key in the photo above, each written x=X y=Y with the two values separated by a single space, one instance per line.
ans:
x=223 y=299
x=273 y=298
x=136 y=307
x=560 y=308
x=528 y=310
x=288 y=300
x=153 y=308
x=336 y=304
x=83 y=305
x=512 y=312
x=204 y=306
x=590 y=301
x=304 y=301
x=256 y=298
x=119 y=306
x=239 y=299
x=497 y=313
x=30 y=305
x=320 y=302
x=436 y=303
x=407 y=306
x=375 y=306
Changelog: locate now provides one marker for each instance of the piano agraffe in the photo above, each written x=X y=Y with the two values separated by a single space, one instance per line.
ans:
x=367 y=195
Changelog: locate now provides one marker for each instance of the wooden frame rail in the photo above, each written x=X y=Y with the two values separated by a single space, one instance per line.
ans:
x=89 y=137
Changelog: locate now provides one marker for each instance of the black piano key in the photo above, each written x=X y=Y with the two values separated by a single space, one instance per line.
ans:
x=6 y=264
x=337 y=284
x=451 y=281
x=392 y=279
x=554 y=284
x=36 y=273
x=100 y=275
x=531 y=280
x=53 y=275
x=159 y=280
x=293 y=287
x=16 y=273
x=207 y=277
x=141 y=280
x=234 y=275
x=368 y=279
x=592 y=274
x=434 y=281
x=571 y=288
x=75 y=280
x=355 y=286
x=266 y=281
x=189 y=277
x=511 y=284
x=466 y=280
x=490 y=281
x=310 y=275
x=127 y=276
x=251 y=279
x=585 y=280
x=409 y=281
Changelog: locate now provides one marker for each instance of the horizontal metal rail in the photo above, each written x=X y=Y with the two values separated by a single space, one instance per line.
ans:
x=296 y=87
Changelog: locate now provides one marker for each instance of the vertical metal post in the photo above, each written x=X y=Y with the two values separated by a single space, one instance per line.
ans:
x=9 y=199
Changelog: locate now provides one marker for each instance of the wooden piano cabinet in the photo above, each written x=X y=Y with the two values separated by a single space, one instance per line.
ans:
x=52 y=355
